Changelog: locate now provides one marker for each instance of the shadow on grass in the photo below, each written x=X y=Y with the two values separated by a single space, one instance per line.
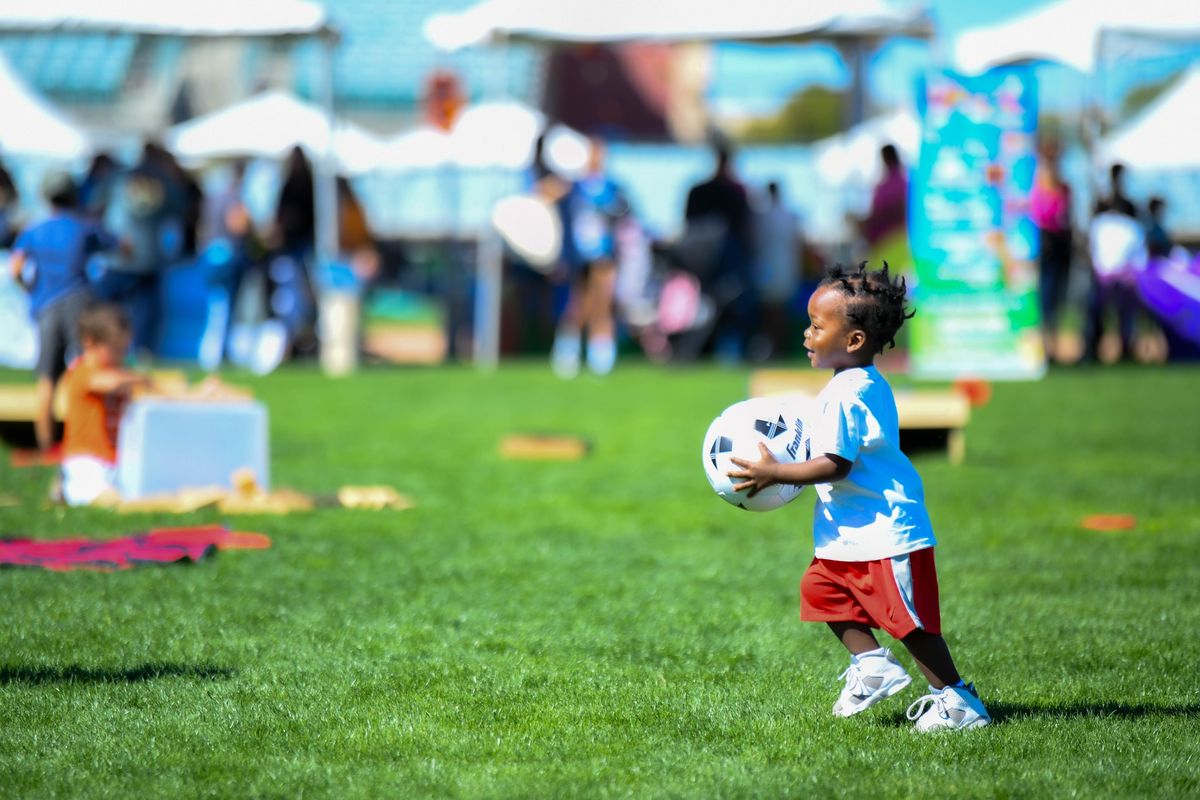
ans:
x=1015 y=712
x=73 y=673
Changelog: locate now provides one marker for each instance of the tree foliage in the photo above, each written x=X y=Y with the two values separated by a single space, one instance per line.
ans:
x=1141 y=96
x=811 y=114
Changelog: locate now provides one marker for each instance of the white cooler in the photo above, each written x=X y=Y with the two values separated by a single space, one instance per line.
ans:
x=167 y=445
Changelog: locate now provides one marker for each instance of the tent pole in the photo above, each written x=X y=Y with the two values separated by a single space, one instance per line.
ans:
x=324 y=171
x=856 y=55
x=1099 y=111
x=490 y=256
x=337 y=312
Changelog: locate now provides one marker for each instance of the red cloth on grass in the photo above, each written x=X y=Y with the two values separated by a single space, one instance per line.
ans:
x=159 y=546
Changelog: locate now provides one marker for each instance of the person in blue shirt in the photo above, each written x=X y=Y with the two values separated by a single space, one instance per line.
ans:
x=50 y=260
x=594 y=205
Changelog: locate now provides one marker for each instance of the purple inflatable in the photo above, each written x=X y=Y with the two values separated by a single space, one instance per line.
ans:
x=1170 y=289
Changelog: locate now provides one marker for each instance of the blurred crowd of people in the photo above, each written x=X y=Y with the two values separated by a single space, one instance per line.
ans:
x=160 y=218
x=733 y=284
x=735 y=281
x=730 y=285
x=111 y=235
x=1119 y=240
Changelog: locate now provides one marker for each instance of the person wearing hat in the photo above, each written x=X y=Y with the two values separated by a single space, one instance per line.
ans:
x=50 y=260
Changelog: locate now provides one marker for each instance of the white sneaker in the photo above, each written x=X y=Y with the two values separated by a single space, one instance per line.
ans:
x=869 y=679
x=950 y=709
x=601 y=355
x=564 y=355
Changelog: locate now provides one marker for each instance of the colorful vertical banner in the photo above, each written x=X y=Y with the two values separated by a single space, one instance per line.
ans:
x=973 y=242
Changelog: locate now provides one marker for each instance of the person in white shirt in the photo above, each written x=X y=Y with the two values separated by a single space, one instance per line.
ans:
x=1117 y=246
x=873 y=566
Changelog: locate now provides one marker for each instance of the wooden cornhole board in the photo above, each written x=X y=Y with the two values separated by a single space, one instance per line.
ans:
x=18 y=403
x=406 y=343
x=543 y=447
x=926 y=415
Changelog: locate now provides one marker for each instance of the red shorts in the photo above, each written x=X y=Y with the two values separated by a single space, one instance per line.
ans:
x=899 y=595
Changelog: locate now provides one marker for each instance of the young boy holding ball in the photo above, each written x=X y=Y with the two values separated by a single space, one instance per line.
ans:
x=873 y=565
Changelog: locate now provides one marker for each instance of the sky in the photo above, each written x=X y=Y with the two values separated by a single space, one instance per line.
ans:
x=755 y=80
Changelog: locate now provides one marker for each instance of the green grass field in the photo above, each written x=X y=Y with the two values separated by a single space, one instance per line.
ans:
x=608 y=627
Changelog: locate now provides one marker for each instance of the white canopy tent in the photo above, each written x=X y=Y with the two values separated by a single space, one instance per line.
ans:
x=267 y=126
x=671 y=21
x=1156 y=139
x=216 y=18
x=1071 y=32
x=1082 y=34
x=848 y=24
x=29 y=126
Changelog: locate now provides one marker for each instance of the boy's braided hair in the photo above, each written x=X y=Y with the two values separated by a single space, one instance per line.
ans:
x=875 y=301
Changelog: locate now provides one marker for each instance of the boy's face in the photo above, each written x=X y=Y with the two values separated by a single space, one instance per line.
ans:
x=831 y=340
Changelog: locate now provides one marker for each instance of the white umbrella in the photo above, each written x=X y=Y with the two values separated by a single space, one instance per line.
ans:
x=356 y=149
x=485 y=135
x=424 y=147
x=270 y=124
x=30 y=126
x=500 y=135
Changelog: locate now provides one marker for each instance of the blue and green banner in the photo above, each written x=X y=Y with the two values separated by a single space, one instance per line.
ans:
x=973 y=242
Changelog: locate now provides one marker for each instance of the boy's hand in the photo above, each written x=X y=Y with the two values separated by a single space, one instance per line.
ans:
x=135 y=384
x=759 y=474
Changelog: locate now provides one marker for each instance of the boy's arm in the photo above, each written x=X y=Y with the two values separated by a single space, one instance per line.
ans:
x=767 y=471
x=115 y=381
x=211 y=388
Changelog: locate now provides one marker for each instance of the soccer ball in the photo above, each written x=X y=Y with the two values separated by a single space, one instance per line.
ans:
x=779 y=423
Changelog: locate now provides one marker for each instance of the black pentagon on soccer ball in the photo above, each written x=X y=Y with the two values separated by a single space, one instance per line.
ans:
x=771 y=429
x=721 y=444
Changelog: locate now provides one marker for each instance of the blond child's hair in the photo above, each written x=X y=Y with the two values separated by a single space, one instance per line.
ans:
x=103 y=323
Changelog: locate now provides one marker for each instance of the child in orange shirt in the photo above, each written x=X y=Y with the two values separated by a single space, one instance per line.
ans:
x=98 y=389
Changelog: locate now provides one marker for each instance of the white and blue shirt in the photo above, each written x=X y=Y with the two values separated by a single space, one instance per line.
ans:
x=878 y=510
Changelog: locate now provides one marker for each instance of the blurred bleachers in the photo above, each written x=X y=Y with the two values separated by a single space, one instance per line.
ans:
x=81 y=66
x=382 y=61
x=383 y=58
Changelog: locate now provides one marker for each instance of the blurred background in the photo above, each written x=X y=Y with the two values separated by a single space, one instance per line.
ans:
x=365 y=180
